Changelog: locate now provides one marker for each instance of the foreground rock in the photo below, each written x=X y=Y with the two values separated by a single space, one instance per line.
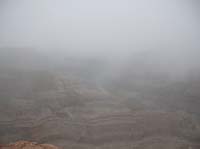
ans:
x=28 y=145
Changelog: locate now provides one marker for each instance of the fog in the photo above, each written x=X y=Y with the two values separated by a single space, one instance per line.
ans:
x=111 y=30
x=88 y=58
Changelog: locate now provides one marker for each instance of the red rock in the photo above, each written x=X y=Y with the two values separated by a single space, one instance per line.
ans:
x=27 y=145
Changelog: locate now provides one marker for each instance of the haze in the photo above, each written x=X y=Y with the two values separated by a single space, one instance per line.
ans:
x=109 y=62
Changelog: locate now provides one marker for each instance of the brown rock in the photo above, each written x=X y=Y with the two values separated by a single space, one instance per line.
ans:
x=28 y=145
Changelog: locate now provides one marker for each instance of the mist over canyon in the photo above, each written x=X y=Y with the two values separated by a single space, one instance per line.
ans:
x=100 y=74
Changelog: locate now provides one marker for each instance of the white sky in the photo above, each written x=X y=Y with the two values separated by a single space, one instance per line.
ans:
x=99 y=25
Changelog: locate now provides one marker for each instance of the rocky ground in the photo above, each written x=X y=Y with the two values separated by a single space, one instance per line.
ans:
x=27 y=145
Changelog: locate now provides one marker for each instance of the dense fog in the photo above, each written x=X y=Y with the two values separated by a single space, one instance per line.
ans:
x=80 y=60
x=112 y=31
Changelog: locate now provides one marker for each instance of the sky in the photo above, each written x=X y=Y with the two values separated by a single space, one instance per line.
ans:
x=94 y=26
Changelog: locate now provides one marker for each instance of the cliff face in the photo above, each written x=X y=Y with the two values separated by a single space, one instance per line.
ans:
x=27 y=145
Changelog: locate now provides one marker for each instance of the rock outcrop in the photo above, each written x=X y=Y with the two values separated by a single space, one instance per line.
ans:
x=27 y=145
